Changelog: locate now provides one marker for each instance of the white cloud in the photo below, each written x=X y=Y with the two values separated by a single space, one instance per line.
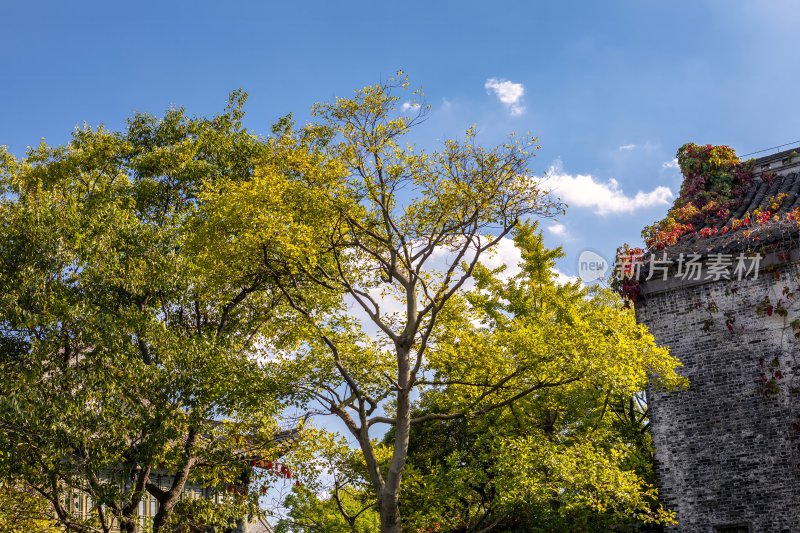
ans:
x=583 y=190
x=557 y=229
x=646 y=147
x=509 y=93
x=563 y=279
x=409 y=106
x=671 y=164
x=505 y=253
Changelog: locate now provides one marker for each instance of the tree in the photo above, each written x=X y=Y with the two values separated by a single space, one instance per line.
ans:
x=130 y=344
x=572 y=456
x=563 y=458
x=465 y=200
x=395 y=213
x=22 y=510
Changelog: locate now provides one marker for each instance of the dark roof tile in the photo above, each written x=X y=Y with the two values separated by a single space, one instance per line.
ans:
x=786 y=165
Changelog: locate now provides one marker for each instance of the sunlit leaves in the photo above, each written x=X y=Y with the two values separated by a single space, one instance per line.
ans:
x=132 y=333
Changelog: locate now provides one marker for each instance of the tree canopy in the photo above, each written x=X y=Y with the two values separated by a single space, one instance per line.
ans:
x=170 y=292
x=408 y=230
x=131 y=340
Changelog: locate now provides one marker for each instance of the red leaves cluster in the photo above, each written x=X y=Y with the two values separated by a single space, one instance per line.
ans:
x=770 y=377
x=715 y=182
x=277 y=469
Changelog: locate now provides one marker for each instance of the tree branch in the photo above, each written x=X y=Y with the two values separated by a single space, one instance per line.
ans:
x=488 y=408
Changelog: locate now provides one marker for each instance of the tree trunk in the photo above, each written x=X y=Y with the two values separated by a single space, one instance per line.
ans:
x=128 y=521
x=167 y=499
x=128 y=524
x=388 y=500
x=390 y=513
x=164 y=510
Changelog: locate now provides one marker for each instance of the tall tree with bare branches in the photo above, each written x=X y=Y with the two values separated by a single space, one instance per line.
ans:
x=407 y=231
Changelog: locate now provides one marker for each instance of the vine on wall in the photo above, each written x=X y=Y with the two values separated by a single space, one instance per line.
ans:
x=715 y=181
x=716 y=184
x=778 y=308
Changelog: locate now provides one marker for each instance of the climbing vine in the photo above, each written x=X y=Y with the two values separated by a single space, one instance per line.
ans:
x=625 y=281
x=715 y=181
x=777 y=308
x=761 y=317
x=715 y=184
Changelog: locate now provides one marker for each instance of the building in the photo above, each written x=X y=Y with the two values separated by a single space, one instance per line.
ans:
x=80 y=505
x=728 y=448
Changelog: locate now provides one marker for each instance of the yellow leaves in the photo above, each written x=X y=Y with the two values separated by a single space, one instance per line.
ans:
x=383 y=453
x=272 y=216
x=531 y=333
x=579 y=475
x=172 y=159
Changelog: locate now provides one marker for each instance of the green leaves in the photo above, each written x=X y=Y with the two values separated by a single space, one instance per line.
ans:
x=166 y=291
x=130 y=317
x=536 y=368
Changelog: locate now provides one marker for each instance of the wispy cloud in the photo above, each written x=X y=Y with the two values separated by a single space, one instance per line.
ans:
x=509 y=93
x=585 y=191
x=409 y=106
x=557 y=229
x=627 y=147
x=671 y=164
x=563 y=279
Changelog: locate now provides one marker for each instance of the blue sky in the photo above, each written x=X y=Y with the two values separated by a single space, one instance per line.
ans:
x=611 y=88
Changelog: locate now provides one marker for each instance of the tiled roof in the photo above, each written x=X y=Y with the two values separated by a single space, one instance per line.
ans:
x=775 y=174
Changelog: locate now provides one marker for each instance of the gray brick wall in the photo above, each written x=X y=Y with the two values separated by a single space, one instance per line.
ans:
x=726 y=448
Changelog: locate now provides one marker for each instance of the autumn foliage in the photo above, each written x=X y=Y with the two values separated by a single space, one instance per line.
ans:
x=715 y=182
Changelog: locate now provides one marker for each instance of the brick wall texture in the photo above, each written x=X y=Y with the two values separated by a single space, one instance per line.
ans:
x=727 y=448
